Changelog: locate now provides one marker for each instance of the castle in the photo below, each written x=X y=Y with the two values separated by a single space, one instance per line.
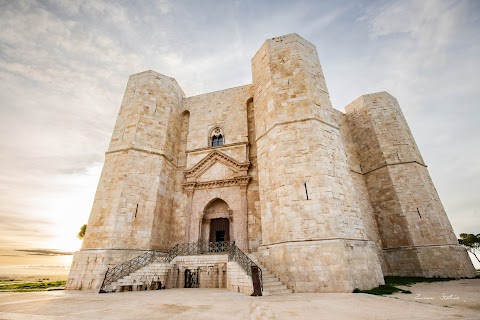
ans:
x=327 y=201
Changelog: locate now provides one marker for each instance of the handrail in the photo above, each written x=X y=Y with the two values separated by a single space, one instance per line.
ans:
x=243 y=260
x=129 y=266
x=183 y=249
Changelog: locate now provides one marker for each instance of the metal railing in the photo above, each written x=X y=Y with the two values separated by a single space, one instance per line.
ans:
x=245 y=262
x=183 y=249
x=130 y=266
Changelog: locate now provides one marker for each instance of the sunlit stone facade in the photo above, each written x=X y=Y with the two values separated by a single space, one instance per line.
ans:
x=329 y=201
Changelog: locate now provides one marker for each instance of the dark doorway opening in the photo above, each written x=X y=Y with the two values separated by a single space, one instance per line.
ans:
x=219 y=230
x=191 y=278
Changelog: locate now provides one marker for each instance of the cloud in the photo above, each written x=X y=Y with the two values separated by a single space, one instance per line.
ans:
x=45 y=252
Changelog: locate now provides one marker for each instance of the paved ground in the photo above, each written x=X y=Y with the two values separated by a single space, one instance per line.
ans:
x=463 y=302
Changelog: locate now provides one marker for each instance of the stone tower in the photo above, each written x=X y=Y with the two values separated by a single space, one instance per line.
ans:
x=132 y=205
x=414 y=227
x=327 y=201
x=309 y=208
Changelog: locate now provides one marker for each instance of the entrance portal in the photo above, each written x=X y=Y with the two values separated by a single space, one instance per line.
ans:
x=217 y=222
x=219 y=230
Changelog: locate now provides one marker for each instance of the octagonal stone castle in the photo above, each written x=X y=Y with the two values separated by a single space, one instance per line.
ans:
x=326 y=201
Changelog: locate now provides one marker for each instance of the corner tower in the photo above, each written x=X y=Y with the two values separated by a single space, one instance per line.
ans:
x=133 y=199
x=313 y=236
x=416 y=233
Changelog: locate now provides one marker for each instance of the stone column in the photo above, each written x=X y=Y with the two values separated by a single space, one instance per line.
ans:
x=190 y=189
x=241 y=219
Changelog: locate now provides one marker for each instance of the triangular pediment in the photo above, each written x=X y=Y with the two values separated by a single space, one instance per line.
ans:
x=217 y=171
x=217 y=163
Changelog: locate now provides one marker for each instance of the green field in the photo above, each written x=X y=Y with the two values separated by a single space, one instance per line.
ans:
x=10 y=285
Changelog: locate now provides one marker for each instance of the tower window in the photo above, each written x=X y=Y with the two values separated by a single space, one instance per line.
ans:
x=216 y=137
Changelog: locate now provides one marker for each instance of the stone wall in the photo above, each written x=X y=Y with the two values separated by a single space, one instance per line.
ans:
x=225 y=108
x=335 y=265
x=212 y=271
x=215 y=271
x=89 y=266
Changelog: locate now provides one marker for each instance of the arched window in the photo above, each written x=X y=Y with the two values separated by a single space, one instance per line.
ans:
x=216 y=137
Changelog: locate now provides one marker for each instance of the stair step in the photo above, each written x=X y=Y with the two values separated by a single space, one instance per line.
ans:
x=276 y=292
x=279 y=286
x=270 y=280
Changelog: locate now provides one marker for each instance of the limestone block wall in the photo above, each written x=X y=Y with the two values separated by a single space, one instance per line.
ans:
x=179 y=223
x=412 y=221
x=212 y=271
x=335 y=265
x=226 y=108
x=361 y=193
x=253 y=205
x=89 y=266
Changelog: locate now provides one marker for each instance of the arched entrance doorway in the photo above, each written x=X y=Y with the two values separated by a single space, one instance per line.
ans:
x=216 y=222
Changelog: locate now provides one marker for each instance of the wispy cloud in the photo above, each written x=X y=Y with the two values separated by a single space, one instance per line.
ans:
x=45 y=252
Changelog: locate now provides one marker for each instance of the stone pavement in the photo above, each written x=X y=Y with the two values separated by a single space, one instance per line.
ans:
x=222 y=304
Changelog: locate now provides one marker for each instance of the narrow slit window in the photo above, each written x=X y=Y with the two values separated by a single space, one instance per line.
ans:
x=418 y=210
x=136 y=210
x=306 y=190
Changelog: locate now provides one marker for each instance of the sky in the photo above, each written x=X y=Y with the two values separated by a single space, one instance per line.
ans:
x=64 y=66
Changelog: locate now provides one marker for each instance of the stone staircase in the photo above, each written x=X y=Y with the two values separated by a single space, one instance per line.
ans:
x=272 y=286
x=143 y=278
x=154 y=276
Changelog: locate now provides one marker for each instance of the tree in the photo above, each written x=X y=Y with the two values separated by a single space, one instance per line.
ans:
x=471 y=242
x=81 y=234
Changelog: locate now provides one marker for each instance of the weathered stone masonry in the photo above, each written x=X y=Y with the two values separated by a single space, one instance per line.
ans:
x=330 y=201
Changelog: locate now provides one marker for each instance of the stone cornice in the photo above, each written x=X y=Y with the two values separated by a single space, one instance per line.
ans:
x=224 y=146
x=238 y=181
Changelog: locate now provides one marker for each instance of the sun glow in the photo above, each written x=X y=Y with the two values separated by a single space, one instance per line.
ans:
x=70 y=209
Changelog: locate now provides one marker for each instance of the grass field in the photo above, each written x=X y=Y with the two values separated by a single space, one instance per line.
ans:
x=11 y=285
